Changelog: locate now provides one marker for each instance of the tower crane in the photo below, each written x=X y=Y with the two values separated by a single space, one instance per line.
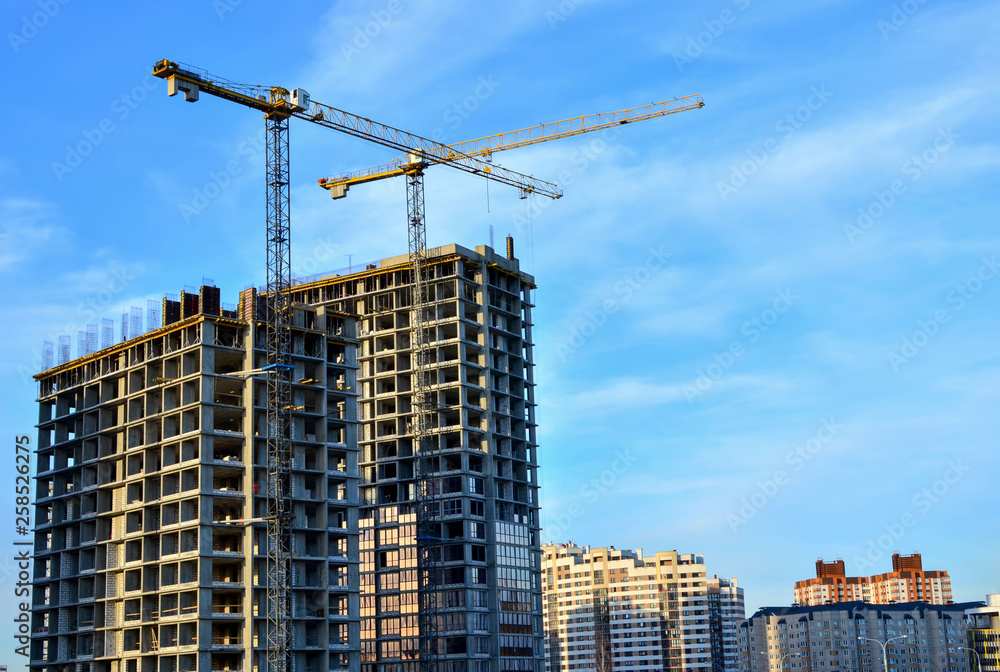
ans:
x=278 y=105
x=412 y=166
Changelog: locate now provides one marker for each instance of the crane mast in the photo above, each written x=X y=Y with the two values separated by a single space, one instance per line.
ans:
x=279 y=399
x=424 y=452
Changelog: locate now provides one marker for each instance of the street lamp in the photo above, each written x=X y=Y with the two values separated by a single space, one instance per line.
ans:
x=979 y=662
x=885 y=658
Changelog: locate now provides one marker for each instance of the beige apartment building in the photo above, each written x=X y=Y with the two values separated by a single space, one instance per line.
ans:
x=611 y=609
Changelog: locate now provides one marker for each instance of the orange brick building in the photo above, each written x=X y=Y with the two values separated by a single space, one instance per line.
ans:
x=907 y=582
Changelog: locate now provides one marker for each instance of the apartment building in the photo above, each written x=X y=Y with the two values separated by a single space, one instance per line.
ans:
x=907 y=582
x=478 y=326
x=151 y=468
x=832 y=585
x=726 y=610
x=610 y=609
x=984 y=634
x=827 y=638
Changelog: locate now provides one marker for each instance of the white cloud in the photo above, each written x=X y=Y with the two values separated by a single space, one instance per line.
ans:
x=27 y=231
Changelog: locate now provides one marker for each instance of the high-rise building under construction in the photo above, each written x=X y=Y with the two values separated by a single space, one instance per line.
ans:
x=150 y=547
x=478 y=329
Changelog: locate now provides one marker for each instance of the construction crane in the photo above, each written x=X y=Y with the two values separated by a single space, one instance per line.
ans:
x=486 y=146
x=412 y=166
x=278 y=105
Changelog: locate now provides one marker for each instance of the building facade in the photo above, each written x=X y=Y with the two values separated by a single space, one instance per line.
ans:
x=984 y=634
x=478 y=326
x=726 y=610
x=151 y=470
x=614 y=610
x=827 y=638
x=907 y=582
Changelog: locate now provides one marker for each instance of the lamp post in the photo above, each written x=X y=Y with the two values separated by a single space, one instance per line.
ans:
x=979 y=662
x=885 y=658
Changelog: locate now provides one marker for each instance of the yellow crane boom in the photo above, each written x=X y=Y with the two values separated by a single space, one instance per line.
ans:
x=486 y=146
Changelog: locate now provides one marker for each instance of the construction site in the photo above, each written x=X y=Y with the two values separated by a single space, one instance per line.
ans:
x=332 y=473
x=469 y=337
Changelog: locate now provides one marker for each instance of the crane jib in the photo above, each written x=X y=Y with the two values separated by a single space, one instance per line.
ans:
x=487 y=146
x=278 y=103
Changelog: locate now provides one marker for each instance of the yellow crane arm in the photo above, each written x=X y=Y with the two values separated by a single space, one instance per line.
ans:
x=485 y=147
x=575 y=126
x=276 y=101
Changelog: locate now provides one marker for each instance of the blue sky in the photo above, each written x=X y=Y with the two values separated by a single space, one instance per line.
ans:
x=766 y=328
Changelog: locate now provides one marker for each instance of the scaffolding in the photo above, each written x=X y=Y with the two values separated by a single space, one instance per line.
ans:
x=64 y=354
x=48 y=355
x=152 y=315
x=107 y=333
x=135 y=322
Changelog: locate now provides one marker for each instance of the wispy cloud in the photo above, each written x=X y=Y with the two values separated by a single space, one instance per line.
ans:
x=363 y=48
x=28 y=230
